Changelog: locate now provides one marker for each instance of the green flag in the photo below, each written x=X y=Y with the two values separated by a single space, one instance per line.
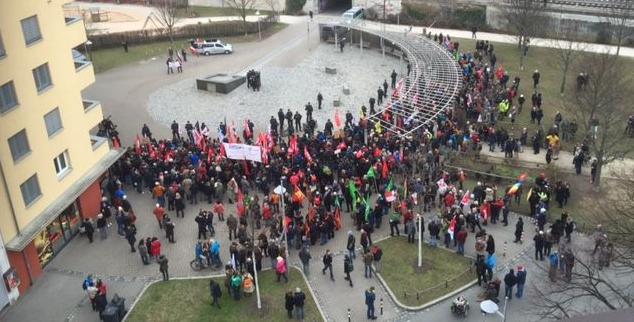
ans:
x=371 y=174
x=390 y=185
x=367 y=209
x=353 y=193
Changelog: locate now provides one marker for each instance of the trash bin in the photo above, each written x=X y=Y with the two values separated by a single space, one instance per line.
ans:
x=119 y=302
x=111 y=314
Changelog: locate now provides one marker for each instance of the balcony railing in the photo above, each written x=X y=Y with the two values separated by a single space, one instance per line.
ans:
x=81 y=64
x=71 y=20
x=97 y=141
x=89 y=105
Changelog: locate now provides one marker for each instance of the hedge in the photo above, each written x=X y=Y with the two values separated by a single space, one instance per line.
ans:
x=201 y=30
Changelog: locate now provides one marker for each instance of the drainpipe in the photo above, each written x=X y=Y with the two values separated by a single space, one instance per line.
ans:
x=8 y=193
x=15 y=222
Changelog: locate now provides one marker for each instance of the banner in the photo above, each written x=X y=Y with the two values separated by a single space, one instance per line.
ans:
x=243 y=152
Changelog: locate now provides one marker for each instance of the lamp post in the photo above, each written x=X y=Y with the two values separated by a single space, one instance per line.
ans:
x=257 y=13
x=420 y=240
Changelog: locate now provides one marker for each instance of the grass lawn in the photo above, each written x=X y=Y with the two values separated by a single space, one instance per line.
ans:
x=105 y=59
x=199 y=11
x=545 y=60
x=439 y=265
x=189 y=300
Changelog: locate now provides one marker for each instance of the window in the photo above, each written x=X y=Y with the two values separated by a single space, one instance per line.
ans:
x=62 y=164
x=7 y=97
x=3 y=52
x=53 y=121
x=30 y=190
x=19 y=145
x=42 y=77
x=31 y=30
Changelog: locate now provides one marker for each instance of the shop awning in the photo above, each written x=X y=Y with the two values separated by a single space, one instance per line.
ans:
x=28 y=233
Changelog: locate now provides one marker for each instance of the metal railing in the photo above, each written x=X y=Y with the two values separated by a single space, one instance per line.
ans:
x=429 y=89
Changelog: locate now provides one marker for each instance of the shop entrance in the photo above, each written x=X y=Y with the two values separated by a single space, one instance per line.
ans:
x=57 y=234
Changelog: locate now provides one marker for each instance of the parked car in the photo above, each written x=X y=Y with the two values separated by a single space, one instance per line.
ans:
x=211 y=47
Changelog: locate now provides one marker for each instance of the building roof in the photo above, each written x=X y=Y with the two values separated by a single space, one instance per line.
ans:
x=28 y=233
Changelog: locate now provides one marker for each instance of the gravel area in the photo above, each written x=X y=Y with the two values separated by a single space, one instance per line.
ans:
x=281 y=88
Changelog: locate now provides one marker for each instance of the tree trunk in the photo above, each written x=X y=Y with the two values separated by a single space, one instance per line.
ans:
x=596 y=186
x=562 y=88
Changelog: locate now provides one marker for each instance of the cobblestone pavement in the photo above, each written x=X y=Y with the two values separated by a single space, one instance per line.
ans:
x=282 y=87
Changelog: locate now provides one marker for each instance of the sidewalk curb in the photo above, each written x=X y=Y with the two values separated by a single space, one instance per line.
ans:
x=138 y=297
x=425 y=305
x=312 y=292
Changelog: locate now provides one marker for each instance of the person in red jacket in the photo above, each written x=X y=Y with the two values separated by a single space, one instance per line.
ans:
x=461 y=237
x=155 y=248
x=219 y=209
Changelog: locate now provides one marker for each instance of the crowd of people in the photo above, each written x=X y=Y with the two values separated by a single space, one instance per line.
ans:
x=354 y=167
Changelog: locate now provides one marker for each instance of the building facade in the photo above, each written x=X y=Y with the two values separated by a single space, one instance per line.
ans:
x=51 y=160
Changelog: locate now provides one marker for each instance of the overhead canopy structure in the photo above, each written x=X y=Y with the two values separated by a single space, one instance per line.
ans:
x=431 y=87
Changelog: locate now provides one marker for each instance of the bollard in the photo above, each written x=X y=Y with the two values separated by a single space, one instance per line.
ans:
x=404 y=294
x=381 y=303
x=417 y=297
x=504 y=253
x=446 y=284
x=349 y=316
x=522 y=238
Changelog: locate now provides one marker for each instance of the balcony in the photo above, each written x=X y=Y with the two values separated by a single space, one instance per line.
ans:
x=97 y=141
x=71 y=20
x=85 y=73
x=89 y=105
x=81 y=64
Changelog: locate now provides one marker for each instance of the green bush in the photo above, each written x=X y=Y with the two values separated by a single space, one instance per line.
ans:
x=295 y=6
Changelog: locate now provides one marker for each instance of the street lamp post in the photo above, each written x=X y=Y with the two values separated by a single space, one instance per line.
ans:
x=420 y=240
x=257 y=13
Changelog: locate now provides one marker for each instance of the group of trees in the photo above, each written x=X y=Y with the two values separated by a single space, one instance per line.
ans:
x=601 y=108
x=167 y=11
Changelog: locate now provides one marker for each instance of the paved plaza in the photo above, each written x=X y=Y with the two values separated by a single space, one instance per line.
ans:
x=282 y=87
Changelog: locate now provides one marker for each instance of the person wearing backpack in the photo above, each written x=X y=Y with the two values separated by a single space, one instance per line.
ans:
x=347 y=268
x=216 y=293
x=304 y=256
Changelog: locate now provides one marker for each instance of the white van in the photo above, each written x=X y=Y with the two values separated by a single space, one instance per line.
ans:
x=352 y=14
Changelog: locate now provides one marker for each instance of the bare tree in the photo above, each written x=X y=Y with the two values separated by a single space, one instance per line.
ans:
x=273 y=5
x=166 y=15
x=619 y=17
x=242 y=8
x=566 y=50
x=526 y=18
x=592 y=286
x=600 y=108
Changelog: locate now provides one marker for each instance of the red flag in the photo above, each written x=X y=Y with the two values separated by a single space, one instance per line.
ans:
x=247 y=172
x=232 y=134
x=452 y=226
x=152 y=151
x=385 y=171
x=307 y=155
x=137 y=145
x=485 y=211
x=247 y=130
x=337 y=118
x=210 y=155
x=466 y=198
x=222 y=150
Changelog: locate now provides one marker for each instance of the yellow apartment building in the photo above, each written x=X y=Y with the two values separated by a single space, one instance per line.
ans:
x=50 y=163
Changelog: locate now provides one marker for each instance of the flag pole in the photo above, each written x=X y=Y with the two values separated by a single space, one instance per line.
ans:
x=420 y=241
